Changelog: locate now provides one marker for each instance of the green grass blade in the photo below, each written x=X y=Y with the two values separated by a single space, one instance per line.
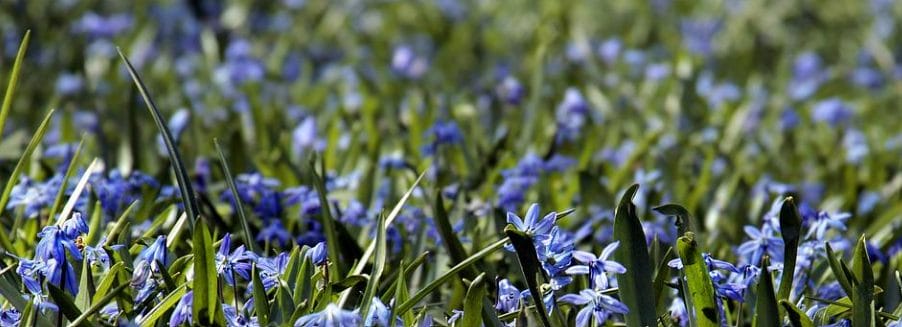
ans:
x=863 y=310
x=636 y=284
x=473 y=303
x=65 y=303
x=86 y=286
x=328 y=223
x=767 y=314
x=181 y=175
x=13 y=79
x=167 y=303
x=838 y=271
x=378 y=266
x=429 y=288
x=791 y=229
x=449 y=237
x=698 y=282
x=107 y=298
x=239 y=206
x=261 y=303
x=797 y=318
x=531 y=267
x=205 y=309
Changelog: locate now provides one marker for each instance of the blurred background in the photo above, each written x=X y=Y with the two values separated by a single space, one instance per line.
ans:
x=715 y=104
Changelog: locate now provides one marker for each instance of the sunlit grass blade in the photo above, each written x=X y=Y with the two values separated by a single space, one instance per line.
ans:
x=797 y=318
x=13 y=80
x=378 y=266
x=703 y=311
x=442 y=279
x=791 y=229
x=160 y=309
x=636 y=289
x=95 y=166
x=239 y=206
x=863 y=310
x=205 y=309
x=531 y=267
x=181 y=174
x=473 y=303
x=767 y=313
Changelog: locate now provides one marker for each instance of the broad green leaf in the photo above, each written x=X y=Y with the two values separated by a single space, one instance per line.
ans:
x=65 y=303
x=767 y=314
x=378 y=266
x=791 y=229
x=442 y=279
x=97 y=306
x=797 y=318
x=863 y=310
x=349 y=282
x=86 y=285
x=473 y=303
x=205 y=309
x=531 y=267
x=261 y=303
x=13 y=80
x=167 y=303
x=701 y=290
x=239 y=206
x=181 y=174
x=683 y=222
x=106 y=283
x=635 y=285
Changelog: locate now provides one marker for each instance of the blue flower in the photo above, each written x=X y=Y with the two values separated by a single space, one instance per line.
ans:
x=318 y=254
x=332 y=315
x=609 y=50
x=832 y=111
x=763 y=241
x=408 y=64
x=571 y=115
x=508 y=297
x=148 y=266
x=237 y=262
x=52 y=249
x=116 y=192
x=596 y=267
x=442 y=133
x=538 y=229
x=34 y=196
x=595 y=304
x=510 y=91
x=10 y=317
x=182 y=312
x=380 y=315
x=823 y=221
x=274 y=233
x=236 y=319
x=177 y=124
x=271 y=269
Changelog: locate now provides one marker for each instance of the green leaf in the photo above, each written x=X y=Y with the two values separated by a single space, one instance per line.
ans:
x=106 y=283
x=791 y=229
x=261 y=303
x=239 y=206
x=442 y=279
x=662 y=275
x=86 y=286
x=473 y=303
x=636 y=284
x=531 y=267
x=181 y=174
x=13 y=80
x=863 y=311
x=65 y=303
x=378 y=267
x=170 y=300
x=698 y=283
x=449 y=237
x=107 y=298
x=683 y=223
x=797 y=318
x=328 y=223
x=402 y=295
x=767 y=314
x=205 y=309
x=838 y=271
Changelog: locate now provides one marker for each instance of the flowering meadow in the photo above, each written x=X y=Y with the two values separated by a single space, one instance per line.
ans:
x=450 y=163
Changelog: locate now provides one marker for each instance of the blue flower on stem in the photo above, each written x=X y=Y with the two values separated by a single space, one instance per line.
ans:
x=237 y=262
x=380 y=315
x=182 y=312
x=148 y=265
x=508 y=297
x=10 y=317
x=318 y=254
x=538 y=229
x=236 y=319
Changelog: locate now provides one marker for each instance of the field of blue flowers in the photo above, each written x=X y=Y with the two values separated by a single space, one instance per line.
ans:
x=451 y=163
